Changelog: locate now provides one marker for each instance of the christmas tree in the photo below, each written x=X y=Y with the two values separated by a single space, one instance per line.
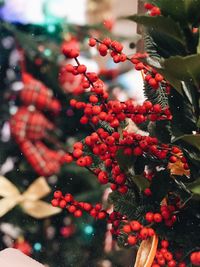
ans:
x=153 y=174
x=37 y=127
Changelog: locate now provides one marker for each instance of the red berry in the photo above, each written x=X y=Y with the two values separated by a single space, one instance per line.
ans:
x=78 y=213
x=92 y=42
x=93 y=99
x=195 y=258
x=137 y=151
x=135 y=225
x=148 y=5
x=164 y=244
x=149 y=216
x=103 y=177
x=55 y=202
x=72 y=209
x=157 y=217
x=81 y=69
x=126 y=228
x=171 y=263
x=168 y=256
x=155 y=11
x=67 y=158
x=69 y=68
x=78 y=145
x=152 y=82
x=62 y=204
x=77 y=153
x=101 y=215
x=157 y=108
x=147 y=192
x=144 y=233
x=103 y=49
x=159 y=77
x=132 y=240
x=57 y=194
x=173 y=159
x=68 y=198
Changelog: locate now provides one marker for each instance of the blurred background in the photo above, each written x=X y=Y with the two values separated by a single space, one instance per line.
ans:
x=37 y=125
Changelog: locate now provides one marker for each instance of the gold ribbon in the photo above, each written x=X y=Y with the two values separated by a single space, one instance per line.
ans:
x=29 y=200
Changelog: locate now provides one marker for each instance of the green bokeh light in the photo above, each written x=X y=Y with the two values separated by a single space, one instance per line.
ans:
x=88 y=229
x=47 y=52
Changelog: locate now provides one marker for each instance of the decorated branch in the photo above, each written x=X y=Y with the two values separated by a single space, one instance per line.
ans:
x=153 y=175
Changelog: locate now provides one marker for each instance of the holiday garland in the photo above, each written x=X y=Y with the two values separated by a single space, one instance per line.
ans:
x=154 y=177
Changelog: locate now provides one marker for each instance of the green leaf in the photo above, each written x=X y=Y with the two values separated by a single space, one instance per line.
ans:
x=158 y=96
x=198 y=47
x=160 y=185
x=198 y=123
x=192 y=8
x=179 y=10
x=176 y=83
x=125 y=162
x=141 y=182
x=183 y=68
x=192 y=139
x=194 y=187
x=161 y=24
x=174 y=9
x=124 y=204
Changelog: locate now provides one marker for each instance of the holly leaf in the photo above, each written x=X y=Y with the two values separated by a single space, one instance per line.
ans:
x=141 y=182
x=191 y=139
x=160 y=185
x=194 y=187
x=161 y=24
x=179 y=10
x=182 y=68
x=125 y=162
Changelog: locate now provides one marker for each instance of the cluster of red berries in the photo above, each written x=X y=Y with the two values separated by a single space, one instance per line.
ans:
x=105 y=145
x=151 y=76
x=76 y=208
x=115 y=219
x=164 y=257
x=136 y=232
x=115 y=112
x=195 y=258
x=153 y=10
x=167 y=215
x=107 y=45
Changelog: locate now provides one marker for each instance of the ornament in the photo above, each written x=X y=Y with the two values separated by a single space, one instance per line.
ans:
x=29 y=200
x=23 y=246
x=44 y=161
x=146 y=252
x=37 y=94
x=29 y=124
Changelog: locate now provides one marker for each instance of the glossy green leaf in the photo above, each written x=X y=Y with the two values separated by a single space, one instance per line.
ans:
x=183 y=68
x=161 y=24
x=141 y=182
x=194 y=187
x=191 y=139
x=179 y=10
x=125 y=162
